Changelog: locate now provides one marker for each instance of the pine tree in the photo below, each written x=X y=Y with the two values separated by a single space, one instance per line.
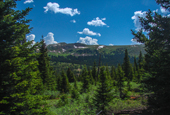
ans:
x=108 y=73
x=113 y=73
x=135 y=64
x=59 y=83
x=103 y=94
x=126 y=65
x=94 y=72
x=75 y=94
x=91 y=80
x=120 y=80
x=86 y=80
x=65 y=83
x=20 y=82
x=70 y=75
x=157 y=57
x=45 y=68
x=75 y=84
x=140 y=60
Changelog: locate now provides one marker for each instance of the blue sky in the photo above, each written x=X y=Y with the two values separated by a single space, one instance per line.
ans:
x=91 y=22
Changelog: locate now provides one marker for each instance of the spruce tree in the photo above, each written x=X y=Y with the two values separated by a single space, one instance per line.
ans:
x=108 y=73
x=140 y=61
x=94 y=72
x=113 y=73
x=20 y=81
x=70 y=75
x=86 y=80
x=45 y=69
x=103 y=93
x=126 y=65
x=65 y=83
x=157 y=57
x=59 y=83
x=91 y=80
x=135 y=64
x=120 y=80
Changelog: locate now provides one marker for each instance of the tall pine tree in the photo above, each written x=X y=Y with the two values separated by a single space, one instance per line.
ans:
x=126 y=65
x=45 y=68
x=20 y=81
x=157 y=57
x=103 y=93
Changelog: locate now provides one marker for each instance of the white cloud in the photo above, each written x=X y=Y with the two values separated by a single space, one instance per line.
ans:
x=88 y=32
x=97 y=22
x=28 y=1
x=111 y=44
x=136 y=19
x=88 y=40
x=30 y=38
x=49 y=39
x=55 y=8
x=163 y=10
x=74 y=21
x=134 y=41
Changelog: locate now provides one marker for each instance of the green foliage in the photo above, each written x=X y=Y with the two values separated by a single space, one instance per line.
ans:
x=20 y=81
x=103 y=94
x=45 y=69
x=65 y=86
x=74 y=94
x=120 y=80
x=126 y=66
x=70 y=75
x=157 y=57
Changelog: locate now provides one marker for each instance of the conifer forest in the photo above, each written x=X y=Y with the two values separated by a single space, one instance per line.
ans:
x=36 y=81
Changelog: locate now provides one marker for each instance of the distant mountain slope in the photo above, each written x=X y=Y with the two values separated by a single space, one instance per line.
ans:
x=78 y=53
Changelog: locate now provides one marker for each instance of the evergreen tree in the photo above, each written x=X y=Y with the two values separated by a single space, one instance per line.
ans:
x=65 y=83
x=90 y=76
x=157 y=57
x=108 y=73
x=75 y=94
x=140 y=61
x=84 y=73
x=113 y=73
x=45 y=68
x=126 y=65
x=59 y=83
x=20 y=82
x=75 y=84
x=120 y=80
x=94 y=72
x=70 y=75
x=86 y=80
x=135 y=64
x=103 y=94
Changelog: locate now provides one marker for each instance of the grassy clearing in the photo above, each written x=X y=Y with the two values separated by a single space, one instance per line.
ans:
x=84 y=106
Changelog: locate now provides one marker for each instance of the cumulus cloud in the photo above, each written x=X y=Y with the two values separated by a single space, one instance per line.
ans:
x=49 y=39
x=134 y=41
x=136 y=21
x=74 y=21
x=88 y=32
x=30 y=38
x=111 y=44
x=163 y=10
x=97 y=22
x=88 y=40
x=28 y=1
x=55 y=7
